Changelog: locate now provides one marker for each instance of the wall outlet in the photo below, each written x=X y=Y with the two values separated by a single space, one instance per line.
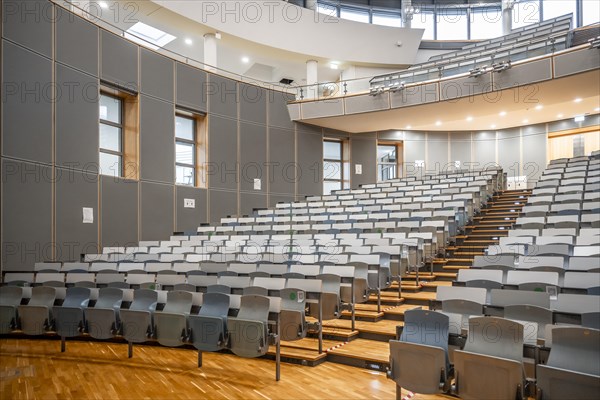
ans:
x=189 y=203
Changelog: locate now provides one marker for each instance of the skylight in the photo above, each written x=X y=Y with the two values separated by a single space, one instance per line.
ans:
x=148 y=36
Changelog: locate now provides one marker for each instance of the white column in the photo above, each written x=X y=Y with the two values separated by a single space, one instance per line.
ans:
x=312 y=79
x=210 y=51
x=507 y=14
x=407 y=13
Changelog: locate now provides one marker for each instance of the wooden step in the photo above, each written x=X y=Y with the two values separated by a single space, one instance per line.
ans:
x=454 y=267
x=345 y=334
x=385 y=327
x=421 y=296
x=364 y=315
x=400 y=310
x=362 y=349
x=451 y=275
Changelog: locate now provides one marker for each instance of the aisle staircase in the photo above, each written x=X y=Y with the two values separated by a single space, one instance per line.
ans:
x=367 y=346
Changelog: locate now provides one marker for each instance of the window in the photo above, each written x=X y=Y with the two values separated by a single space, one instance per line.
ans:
x=335 y=167
x=526 y=13
x=556 y=8
x=185 y=150
x=111 y=135
x=486 y=23
x=327 y=9
x=452 y=23
x=591 y=12
x=424 y=20
x=387 y=162
x=354 y=14
x=387 y=19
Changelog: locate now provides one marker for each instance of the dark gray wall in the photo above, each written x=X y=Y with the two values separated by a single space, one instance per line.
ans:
x=49 y=141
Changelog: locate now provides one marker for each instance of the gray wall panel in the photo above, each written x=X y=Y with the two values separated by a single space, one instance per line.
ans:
x=253 y=156
x=509 y=151
x=414 y=149
x=125 y=72
x=249 y=201
x=76 y=119
x=463 y=87
x=460 y=147
x=281 y=158
x=223 y=144
x=414 y=95
x=222 y=96
x=325 y=108
x=119 y=211
x=274 y=199
x=309 y=160
x=294 y=111
x=277 y=109
x=524 y=74
x=484 y=149
x=26 y=104
x=191 y=87
x=222 y=204
x=74 y=191
x=26 y=214
x=253 y=104
x=534 y=154
x=363 y=152
x=157 y=216
x=76 y=43
x=366 y=103
x=437 y=151
x=577 y=61
x=188 y=219
x=157 y=122
x=29 y=23
x=157 y=75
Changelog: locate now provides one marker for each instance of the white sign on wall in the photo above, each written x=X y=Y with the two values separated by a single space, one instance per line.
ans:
x=88 y=215
x=189 y=203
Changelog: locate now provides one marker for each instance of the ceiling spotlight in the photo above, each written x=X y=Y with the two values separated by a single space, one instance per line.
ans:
x=333 y=66
x=438 y=123
x=577 y=100
x=579 y=118
x=597 y=109
x=408 y=127
x=525 y=121
x=245 y=60
x=475 y=72
x=188 y=41
x=103 y=4
x=539 y=107
x=394 y=86
x=501 y=66
x=502 y=113
x=469 y=119
x=594 y=42
x=559 y=116
x=492 y=126
x=375 y=90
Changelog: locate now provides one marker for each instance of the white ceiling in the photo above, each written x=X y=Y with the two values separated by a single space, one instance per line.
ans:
x=537 y=103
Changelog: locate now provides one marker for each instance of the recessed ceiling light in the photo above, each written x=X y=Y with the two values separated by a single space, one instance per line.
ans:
x=148 y=36
x=492 y=126
x=188 y=41
x=438 y=123
x=103 y=4
x=559 y=116
x=539 y=107
x=333 y=65
x=502 y=113
x=408 y=126
x=245 y=60
x=577 y=100
x=469 y=119
x=597 y=109
x=525 y=121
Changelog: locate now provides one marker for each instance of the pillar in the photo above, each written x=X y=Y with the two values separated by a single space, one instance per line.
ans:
x=210 y=51
x=312 y=79
x=507 y=14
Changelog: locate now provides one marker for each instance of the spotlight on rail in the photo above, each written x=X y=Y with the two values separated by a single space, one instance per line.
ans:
x=376 y=90
x=594 y=43
x=501 y=66
x=475 y=72
x=394 y=87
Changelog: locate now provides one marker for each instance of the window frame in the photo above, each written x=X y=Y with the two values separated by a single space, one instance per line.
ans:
x=340 y=161
x=194 y=144
x=397 y=147
x=121 y=126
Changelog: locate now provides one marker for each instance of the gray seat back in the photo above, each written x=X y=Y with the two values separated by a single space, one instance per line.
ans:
x=495 y=337
x=178 y=302
x=42 y=296
x=248 y=331
x=590 y=320
x=540 y=315
x=208 y=329
x=77 y=297
x=576 y=349
x=292 y=316
x=144 y=300
x=10 y=299
x=69 y=317
x=426 y=327
x=218 y=289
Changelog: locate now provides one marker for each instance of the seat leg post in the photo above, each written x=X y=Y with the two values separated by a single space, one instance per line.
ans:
x=378 y=300
x=398 y=392
x=278 y=353
x=320 y=325
x=129 y=349
x=62 y=344
x=199 y=358
x=352 y=303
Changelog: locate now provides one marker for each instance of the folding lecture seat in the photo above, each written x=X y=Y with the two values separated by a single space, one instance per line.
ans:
x=524 y=312
x=481 y=278
x=208 y=329
x=167 y=281
x=138 y=321
x=69 y=319
x=419 y=360
x=47 y=266
x=19 y=278
x=536 y=281
x=573 y=367
x=292 y=318
x=70 y=267
x=10 y=300
x=491 y=364
x=248 y=331
x=103 y=320
x=36 y=316
x=171 y=323
x=542 y=263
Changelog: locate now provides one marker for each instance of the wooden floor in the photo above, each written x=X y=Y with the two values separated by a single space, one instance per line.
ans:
x=35 y=369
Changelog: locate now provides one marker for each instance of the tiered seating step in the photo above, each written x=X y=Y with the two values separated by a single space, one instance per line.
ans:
x=304 y=351
x=365 y=312
x=446 y=275
x=382 y=330
x=362 y=353
x=397 y=313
